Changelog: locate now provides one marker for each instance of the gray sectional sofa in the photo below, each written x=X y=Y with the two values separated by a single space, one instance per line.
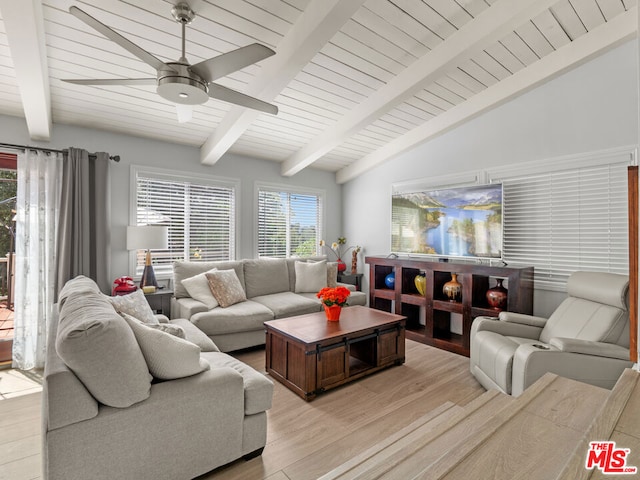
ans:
x=105 y=416
x=272 y=291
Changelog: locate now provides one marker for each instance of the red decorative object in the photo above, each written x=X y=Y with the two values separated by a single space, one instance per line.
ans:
x=334 y=296
x=341 y=266
x=332 y=312
x=497 y=296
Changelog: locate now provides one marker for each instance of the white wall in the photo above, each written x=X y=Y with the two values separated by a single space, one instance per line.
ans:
x=138 y=151
x=590 y=108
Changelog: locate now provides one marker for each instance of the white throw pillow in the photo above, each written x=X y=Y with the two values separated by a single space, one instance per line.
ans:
x=310 y=277
x=134 y=304
x=168 y=357
x=198 y=289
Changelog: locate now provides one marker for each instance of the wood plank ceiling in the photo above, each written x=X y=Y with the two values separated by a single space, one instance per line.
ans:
x=357 y=81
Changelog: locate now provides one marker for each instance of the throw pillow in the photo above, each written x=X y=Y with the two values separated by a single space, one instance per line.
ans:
x=195 y=335
x=311 y=277
x=99 y=347
x=134 y=304
x=198 y=288
x=167 y=357
x=226 y=287
x=175 y=330
x=332 y=274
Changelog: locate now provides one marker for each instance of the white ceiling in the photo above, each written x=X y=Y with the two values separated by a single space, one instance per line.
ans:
x=357 y=82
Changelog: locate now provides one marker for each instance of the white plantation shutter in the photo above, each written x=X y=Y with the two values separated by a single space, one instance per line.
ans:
x=562 y=219
x=200 y=215
x=289 y=222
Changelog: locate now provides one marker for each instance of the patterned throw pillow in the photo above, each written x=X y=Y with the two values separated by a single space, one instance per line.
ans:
x=134 y=304
x=226 y=287
x=175 y=330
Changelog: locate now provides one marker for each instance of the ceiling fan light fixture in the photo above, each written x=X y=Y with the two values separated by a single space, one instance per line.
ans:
x=185 y=113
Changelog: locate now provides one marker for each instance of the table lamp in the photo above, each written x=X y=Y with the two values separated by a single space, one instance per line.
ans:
x=147 y=237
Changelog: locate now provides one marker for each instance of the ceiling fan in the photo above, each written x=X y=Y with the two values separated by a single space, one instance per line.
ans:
x=180 y=82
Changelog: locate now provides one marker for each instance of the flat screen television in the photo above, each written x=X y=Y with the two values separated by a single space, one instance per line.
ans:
x=450 y=222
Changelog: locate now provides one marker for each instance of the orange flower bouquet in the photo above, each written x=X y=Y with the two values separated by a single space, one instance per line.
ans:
x=333 y=299
x=334 y=296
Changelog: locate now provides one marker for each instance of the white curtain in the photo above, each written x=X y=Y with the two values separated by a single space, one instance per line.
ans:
x=38 y=205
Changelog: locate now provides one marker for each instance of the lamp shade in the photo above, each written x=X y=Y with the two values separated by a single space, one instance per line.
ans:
x=147 y=237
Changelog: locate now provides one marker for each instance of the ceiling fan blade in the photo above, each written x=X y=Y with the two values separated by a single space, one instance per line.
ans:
x=113 y=81
x=227 y=95
x=230 y=62
x=114 y=36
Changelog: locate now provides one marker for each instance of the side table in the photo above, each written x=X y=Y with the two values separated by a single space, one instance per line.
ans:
x=160 y=301
x=351 y=279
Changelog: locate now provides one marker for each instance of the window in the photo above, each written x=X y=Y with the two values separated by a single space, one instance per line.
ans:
x=567 y=215
x=200 y=213
x=289 y=222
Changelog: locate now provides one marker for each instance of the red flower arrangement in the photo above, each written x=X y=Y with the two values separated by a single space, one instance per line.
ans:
x=334 y=296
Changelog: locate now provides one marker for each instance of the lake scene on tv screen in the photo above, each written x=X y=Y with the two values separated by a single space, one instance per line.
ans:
x=454 y=222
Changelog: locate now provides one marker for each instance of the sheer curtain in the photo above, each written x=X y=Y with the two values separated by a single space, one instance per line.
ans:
x=38 y=205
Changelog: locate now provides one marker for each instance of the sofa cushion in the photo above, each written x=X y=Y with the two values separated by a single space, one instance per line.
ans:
x=226 y=287
x=288 y=304
x=182 y=270
x=77 y=284
x=99 y=347
x=258 y=389
x=199 y=289
x=195 y=335
x=495 y=356
x=168 y=357
x=241 y=317
x=134 y=304
x=265 y=276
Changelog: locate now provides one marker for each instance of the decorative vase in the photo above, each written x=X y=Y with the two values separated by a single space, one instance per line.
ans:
x=341 y=266
x=354 y=262
x=332 y=312
x=390 y=280
x=453 y=289
x=421 y=283
x=497 y=296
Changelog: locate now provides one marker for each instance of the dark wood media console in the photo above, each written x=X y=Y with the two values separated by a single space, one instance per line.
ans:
x=432 y=324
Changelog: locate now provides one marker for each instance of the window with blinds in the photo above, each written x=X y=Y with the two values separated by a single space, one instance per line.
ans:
x=200 y=216
x=565 y=220
x=289 y=222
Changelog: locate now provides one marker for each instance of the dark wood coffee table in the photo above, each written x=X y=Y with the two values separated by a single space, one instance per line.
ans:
x=309 y=354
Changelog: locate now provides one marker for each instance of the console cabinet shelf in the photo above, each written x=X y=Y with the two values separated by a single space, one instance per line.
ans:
x=430 y=316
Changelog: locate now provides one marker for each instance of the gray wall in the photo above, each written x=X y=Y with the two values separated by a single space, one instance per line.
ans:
x=138 y=151
x=590 y=108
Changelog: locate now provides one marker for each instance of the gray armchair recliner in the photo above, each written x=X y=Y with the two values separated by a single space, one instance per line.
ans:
x=585 y=339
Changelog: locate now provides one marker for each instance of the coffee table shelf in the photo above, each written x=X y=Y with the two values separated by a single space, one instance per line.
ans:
x=310 y=355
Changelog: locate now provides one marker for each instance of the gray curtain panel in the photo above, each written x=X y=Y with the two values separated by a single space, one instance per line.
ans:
x=85 y=219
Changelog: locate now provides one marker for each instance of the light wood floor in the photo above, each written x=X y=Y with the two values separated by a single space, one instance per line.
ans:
x=305 y=439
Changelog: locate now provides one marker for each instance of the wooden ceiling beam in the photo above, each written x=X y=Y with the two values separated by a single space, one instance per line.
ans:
x=602 y=38
x=485 y=29
x=24 y=26
x=316 y=26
